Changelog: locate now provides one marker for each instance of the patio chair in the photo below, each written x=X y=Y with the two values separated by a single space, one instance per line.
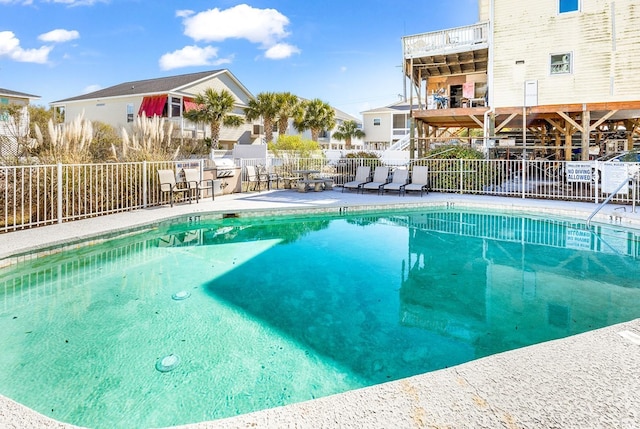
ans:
x=380 y=178
x=419 y=180
x=193 y=182
x=167 y=181
x=362 y=176
x=256 y=177
x=399 y=179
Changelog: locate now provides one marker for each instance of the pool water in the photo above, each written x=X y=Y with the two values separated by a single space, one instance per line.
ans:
x=199 y=321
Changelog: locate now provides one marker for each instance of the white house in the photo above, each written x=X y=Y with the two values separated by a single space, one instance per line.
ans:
x=326 y=141
x=10 y=130
x=385 y=126
x=167 y=97
x=562 y=72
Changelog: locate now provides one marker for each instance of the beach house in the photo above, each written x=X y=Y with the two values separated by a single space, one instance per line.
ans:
x=551 y=78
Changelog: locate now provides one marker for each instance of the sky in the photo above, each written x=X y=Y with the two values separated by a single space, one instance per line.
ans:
x=347 y=53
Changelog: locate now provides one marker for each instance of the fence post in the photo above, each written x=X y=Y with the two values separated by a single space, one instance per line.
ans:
x=461 y=187
x=596 y=185
x=523 y=177
x=60 y=196
x=145 y=187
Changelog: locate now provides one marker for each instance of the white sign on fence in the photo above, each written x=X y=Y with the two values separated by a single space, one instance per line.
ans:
x=579 y=172
x=613 y=175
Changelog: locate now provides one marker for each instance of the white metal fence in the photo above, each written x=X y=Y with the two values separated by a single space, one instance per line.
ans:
x=37 y=195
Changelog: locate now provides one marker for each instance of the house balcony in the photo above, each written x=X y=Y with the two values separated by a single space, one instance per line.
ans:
x=453 y=40
x=460 y=50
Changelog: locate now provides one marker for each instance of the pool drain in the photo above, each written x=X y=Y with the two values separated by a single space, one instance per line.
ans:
x=179 y=296
x=167 y=363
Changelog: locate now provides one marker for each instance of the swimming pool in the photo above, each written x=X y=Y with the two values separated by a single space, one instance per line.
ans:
x=280 y=310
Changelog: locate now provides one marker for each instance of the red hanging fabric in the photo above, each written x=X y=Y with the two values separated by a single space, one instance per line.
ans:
x=189 y=105
x=152 y=105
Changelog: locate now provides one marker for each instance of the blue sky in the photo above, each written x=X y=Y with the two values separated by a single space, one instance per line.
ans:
x=347 y=53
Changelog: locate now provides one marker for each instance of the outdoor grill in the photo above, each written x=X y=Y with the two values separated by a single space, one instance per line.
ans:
x=224 y=167
x=225 y=175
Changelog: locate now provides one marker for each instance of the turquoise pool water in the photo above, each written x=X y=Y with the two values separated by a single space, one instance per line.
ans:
x=286 y=309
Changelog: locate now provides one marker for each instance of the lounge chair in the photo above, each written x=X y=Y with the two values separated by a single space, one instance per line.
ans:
x=380 y=178
x=167 y=180
x=419 y=180
x=362 y=176
x=399 y=179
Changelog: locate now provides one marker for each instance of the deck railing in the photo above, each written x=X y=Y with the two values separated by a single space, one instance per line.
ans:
x=37 y=195
x=459 y=39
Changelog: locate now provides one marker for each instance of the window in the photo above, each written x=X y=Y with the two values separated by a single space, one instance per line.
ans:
x=400 y=121
x=376 y=122
x=176 y=107
x=4 y=113
x=561 y=63
x=129 y=112
x=568 y=6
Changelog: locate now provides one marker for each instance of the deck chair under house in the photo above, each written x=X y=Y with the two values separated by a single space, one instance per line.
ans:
x=362 y=176
x=398 y=181
x=167 y=181
x=380 y=178
x=419 y=180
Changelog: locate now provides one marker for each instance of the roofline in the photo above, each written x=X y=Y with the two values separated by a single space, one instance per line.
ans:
x=214 y=73
x=221 y=71
x=9 y=93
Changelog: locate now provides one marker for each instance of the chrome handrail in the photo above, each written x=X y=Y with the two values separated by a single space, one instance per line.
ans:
x=604 y=203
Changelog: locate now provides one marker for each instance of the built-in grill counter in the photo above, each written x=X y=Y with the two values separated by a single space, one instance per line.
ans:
x=225 y=174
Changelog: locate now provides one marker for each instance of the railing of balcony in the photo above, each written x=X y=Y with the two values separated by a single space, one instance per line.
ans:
x=450 y=40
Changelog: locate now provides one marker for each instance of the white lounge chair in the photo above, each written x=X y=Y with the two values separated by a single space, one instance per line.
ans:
x=399 y=179
x=167 y=181
x=419 y=180
x=362 y=176
x=380 y=178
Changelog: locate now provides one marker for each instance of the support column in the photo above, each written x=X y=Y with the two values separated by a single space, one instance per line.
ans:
x=586 y=127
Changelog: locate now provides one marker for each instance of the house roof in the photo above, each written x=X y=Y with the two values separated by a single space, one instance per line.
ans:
x=345 y=116
x=10 y=93
x=401 y=106
x=152 y=86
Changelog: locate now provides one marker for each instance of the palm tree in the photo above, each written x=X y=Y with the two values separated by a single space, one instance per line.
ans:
x=346 y=131
x=288 y=107
x=265 y=105
x=215 y=109
x=316 y=116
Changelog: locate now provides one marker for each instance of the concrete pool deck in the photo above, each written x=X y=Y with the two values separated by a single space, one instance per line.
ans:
x=587 y=380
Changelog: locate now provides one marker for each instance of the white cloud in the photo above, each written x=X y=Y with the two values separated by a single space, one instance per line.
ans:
x=343 y=69
x=191 y=56
x=10 y=47
x=59 y=35
x=72 y=3
x=22 y=2
x=91 y=88
x=280 y=51
x=265 y=26
x=181 y=13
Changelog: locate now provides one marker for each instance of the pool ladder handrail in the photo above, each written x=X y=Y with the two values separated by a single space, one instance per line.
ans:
x=604 y=203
